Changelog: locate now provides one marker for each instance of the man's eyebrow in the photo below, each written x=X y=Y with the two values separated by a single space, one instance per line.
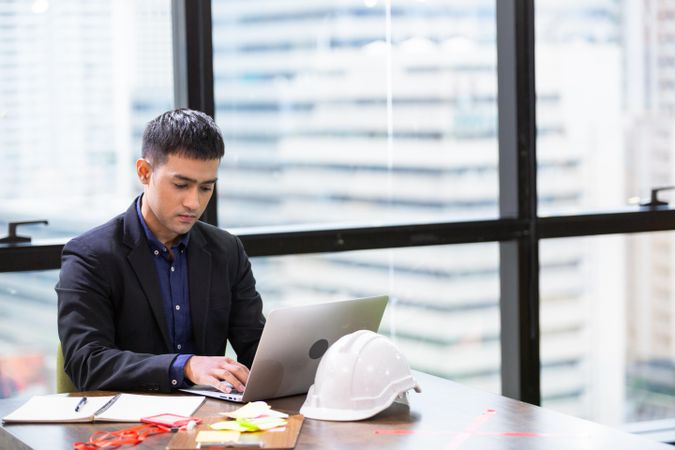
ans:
x=192 y=180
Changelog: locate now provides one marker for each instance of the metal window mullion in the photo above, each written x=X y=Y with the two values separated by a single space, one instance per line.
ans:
x=276 y=242
x=193 y=67
x=279 y=242
x=519 y=258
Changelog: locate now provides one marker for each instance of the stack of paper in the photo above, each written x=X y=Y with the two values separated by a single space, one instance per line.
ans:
x=254 y=416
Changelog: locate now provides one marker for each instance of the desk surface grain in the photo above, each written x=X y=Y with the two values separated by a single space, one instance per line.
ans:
x=445 y=416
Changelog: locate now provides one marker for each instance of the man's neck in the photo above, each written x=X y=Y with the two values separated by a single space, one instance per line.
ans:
x=167 y=240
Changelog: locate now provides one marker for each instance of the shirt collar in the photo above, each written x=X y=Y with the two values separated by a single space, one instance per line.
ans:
x=154 y=243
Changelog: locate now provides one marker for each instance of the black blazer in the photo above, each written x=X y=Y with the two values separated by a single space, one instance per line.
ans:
x=110 y=317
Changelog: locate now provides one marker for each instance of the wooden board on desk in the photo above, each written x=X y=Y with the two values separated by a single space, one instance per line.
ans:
x=286 y=439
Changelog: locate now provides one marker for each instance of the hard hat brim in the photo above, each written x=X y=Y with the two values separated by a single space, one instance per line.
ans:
x=346 y=415
x=343 y=415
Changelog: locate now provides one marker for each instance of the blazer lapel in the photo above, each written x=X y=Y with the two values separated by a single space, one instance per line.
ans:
x=141 y=262
x=199 y=279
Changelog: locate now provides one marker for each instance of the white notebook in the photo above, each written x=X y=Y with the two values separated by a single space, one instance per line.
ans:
x=118 y=408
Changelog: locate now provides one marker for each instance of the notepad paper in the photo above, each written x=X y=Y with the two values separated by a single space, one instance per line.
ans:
x=131 y=407
x=56 y=408
x=124 y=408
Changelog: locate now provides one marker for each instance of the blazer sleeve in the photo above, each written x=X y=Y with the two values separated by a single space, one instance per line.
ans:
x=87 y=330
x=246 y=317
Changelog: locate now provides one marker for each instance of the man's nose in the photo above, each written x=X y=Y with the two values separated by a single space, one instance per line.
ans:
x=191 y=199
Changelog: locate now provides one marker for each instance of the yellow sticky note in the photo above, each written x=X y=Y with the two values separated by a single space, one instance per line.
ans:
x=217 y=436
x=229 y=425
x=249 y=411
x=243 y=425
x=265 y=423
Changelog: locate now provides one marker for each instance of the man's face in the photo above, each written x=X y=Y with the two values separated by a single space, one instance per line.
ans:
x=175 y=194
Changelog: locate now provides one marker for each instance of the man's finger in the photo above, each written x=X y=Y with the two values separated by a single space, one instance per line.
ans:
x=228 y=376
x=238 y=370
x=221 y=385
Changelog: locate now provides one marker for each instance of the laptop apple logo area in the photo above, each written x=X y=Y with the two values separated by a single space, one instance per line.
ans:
x=294 y=340
x=318 y=349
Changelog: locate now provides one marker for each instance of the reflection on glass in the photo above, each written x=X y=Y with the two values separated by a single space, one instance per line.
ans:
x=607 y=327
x=29 y=337
x=444 y=301
x=356 y=111
x=79 y=80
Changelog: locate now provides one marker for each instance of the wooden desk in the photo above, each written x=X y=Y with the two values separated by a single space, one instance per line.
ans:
x=445 y=416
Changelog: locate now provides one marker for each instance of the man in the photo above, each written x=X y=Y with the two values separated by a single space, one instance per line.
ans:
x=148 y=300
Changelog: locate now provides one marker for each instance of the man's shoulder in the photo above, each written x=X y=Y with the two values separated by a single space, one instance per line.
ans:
x=102 y=235
x=214 y=234
x=217 y=240
x=225 y=249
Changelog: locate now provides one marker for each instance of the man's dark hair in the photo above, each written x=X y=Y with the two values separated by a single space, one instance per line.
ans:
x=184 y=132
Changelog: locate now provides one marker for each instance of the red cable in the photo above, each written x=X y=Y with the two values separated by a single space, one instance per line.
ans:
x=114 y=439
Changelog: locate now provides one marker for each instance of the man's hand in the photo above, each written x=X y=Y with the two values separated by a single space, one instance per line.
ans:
x=216 y=371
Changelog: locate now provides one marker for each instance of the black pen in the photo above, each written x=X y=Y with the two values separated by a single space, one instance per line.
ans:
x=81 y=403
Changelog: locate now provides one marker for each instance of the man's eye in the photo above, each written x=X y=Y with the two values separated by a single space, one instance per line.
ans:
x=206 y=188
x=180 y=186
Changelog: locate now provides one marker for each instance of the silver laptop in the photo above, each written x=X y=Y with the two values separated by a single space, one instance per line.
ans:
x=292 y=343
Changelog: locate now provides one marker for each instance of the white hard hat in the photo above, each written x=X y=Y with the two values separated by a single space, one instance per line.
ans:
x=360 y=375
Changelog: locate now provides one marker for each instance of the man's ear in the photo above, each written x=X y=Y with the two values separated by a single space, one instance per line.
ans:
x=143 y=170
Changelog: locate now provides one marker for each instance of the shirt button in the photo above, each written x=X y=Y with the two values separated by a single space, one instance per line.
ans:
x=174 y=382
x=173 y=269
x=177 y=307
x=156 y=252
x=178 y=346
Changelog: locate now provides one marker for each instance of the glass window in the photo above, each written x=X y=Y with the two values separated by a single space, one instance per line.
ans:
x=356 y=111
x=443 y=311
x=78 y=82
x=29 y=336
x=607 y=321
x=605 y=102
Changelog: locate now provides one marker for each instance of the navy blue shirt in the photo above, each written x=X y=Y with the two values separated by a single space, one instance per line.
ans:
x=172 y=272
